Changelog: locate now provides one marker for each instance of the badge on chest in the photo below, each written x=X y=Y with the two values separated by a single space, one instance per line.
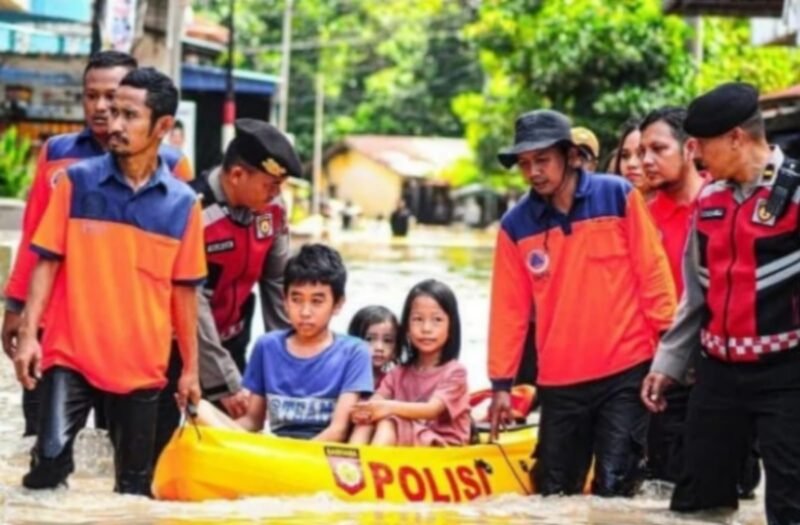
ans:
x=762 y=215
x=264 y=226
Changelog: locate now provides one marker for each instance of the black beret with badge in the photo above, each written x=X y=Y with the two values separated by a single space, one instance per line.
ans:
x=266 y=148
x=721 y=109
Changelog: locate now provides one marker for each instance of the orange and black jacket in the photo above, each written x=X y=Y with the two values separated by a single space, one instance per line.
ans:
x=596 y=281
x=57 y=154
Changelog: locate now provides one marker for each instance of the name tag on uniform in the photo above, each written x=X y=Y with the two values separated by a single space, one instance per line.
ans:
x=712 y=213
x=264 y=226
x=220 y=246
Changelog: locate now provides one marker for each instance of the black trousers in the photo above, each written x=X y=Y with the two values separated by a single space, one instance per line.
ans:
x=665 y=445
x=603 y=419
x=66 y=399
x=665 y=437
x=730 y=405
x=31 y=403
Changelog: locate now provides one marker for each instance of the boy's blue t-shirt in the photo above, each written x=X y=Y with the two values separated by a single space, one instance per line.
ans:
x=301 y=393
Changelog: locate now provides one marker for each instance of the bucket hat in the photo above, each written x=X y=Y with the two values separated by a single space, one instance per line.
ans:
x=535 y=130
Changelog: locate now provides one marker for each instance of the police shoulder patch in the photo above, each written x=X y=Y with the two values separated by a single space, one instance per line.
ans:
x=264 y=226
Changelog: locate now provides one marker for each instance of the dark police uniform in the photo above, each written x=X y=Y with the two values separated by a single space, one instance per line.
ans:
x=741 y=310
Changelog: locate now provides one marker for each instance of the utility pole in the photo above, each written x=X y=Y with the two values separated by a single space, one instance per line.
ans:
x=98 y=9
x=175 y=39
x=316 y=176
x=696 y=24
x=229 y=106
x=286 y=58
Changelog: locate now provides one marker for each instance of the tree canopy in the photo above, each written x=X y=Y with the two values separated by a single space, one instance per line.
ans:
x=467 y=68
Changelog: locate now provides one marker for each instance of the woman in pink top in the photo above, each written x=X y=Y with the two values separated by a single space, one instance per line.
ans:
x=424 y=401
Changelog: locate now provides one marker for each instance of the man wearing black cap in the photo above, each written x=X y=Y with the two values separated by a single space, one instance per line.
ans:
x=581 y=256
x=247 y=242
x=740 y=312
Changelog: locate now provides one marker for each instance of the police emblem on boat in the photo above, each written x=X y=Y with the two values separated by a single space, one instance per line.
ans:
x=761 y=215
x=345 y=465
x=538 y=262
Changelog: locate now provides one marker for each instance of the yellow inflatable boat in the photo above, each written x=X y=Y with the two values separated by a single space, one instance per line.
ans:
x=210 y=463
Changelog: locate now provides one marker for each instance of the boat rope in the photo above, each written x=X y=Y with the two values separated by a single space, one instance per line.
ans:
x=513 y=470
x=190 y=415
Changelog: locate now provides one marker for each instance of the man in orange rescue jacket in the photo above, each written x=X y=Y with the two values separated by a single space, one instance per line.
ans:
x=580 y=252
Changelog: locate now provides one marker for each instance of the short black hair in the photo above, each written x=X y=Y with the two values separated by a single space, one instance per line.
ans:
x=316 y=263
x=754 y=126
x=444 y=296
x=178 y=124
x=630 y=125
x=672 y=116
x=368 y=316
x=162 y=95
x=109 y=59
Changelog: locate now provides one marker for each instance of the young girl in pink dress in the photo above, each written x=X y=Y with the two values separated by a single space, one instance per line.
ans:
x=424 y=401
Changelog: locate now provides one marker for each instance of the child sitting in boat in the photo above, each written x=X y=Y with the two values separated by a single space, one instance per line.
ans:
x=306 y=380
x=378 y=326
x=424 y=401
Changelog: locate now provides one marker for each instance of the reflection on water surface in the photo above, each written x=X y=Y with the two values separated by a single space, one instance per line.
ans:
x=377 y=274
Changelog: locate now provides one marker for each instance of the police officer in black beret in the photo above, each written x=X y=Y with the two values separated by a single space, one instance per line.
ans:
x=247 y=243
x=739 y=320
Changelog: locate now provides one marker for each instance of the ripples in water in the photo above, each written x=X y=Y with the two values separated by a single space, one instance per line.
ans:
x=377 y=275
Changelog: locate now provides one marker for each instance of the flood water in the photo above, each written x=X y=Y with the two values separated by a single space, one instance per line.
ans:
x=379 y=273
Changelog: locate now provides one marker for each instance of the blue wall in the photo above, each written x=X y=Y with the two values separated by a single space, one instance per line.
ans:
x=72 y=9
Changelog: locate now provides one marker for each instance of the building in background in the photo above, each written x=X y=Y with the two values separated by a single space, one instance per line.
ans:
x=375 y=171
x=43 y=49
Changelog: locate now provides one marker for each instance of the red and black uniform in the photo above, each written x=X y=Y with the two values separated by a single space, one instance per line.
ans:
x=242 y=249
x=742 y=308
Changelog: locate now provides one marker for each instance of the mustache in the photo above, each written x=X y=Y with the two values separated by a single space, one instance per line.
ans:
x=117 y=135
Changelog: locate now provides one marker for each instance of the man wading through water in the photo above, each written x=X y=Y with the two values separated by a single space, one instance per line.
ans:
x=583 y=250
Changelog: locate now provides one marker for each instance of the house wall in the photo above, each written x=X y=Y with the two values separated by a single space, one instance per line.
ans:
x=370 y=185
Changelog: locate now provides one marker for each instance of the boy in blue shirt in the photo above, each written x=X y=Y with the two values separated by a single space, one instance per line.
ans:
x=305 y=380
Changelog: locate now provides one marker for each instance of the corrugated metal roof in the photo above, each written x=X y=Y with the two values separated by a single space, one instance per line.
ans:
x=410 y=156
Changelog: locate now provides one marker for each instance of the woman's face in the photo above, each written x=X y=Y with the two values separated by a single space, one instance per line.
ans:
x=630 y=164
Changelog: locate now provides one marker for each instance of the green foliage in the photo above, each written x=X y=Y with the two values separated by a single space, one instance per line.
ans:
x=469 y=67
x=14 y=175
x=598 y=61
x=390 y=67
x=729 y=56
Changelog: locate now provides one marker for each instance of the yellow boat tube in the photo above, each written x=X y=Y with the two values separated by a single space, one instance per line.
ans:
x=205 y=463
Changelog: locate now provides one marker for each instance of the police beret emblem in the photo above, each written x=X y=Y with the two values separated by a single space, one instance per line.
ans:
x=272 y=167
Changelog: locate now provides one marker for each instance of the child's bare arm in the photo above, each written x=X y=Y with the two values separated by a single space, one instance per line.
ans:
x=339 y=426
x=383 y=408
x=256 y=416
